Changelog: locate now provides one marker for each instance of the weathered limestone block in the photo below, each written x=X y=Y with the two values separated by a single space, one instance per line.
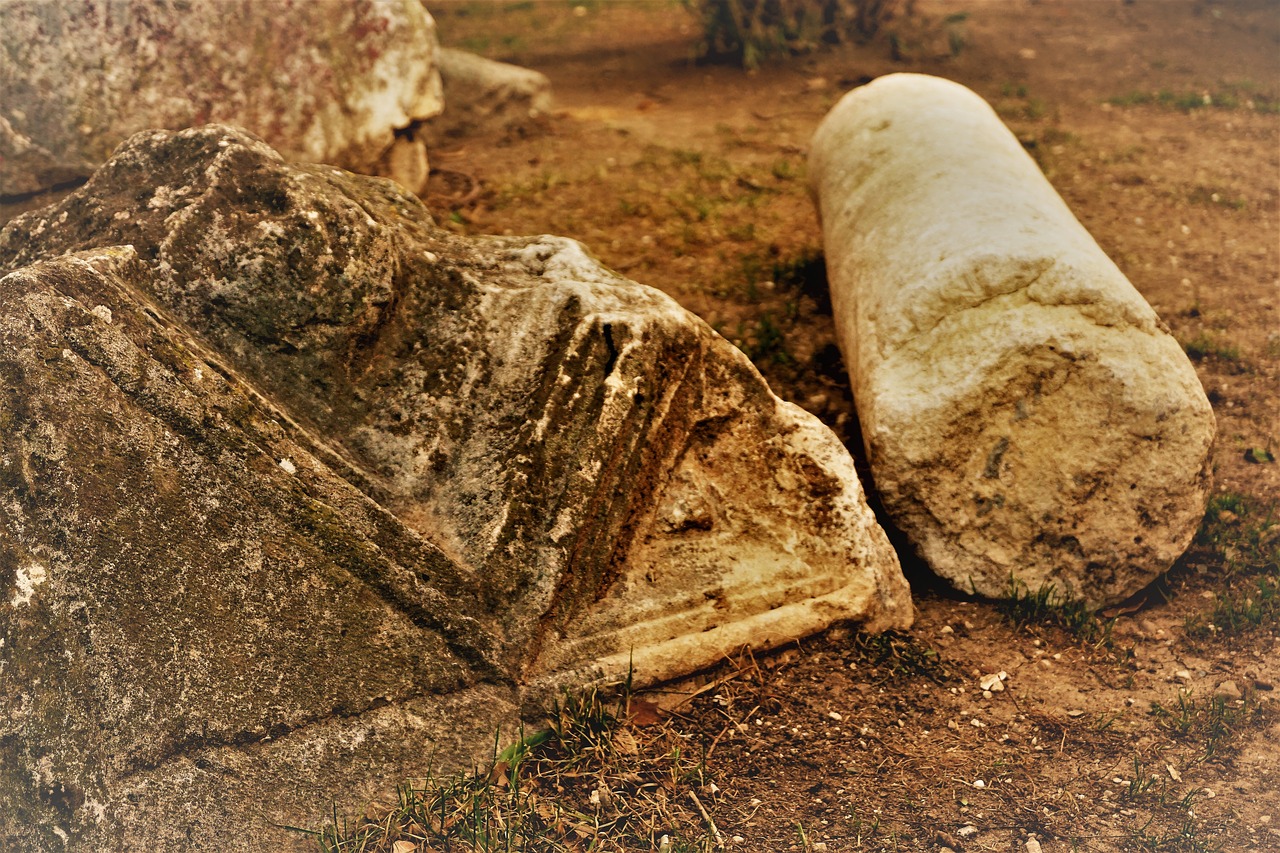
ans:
x=322 y=82
x=481 y=93
x=203 y=626
x=298 y=490
x=1026 y=413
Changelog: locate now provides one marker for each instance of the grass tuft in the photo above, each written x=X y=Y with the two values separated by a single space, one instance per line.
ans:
x=1215 y=722
x=1204 y=346
x=1047 y=606
x=1226 y=97
x=901 y=655
x=1244 y=533
x=588 y=781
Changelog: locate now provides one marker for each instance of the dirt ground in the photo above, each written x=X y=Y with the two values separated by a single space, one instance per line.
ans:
x=1154 y=728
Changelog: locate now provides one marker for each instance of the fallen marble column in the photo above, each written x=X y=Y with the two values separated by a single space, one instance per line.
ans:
x=1028 y=417
x=483 y=94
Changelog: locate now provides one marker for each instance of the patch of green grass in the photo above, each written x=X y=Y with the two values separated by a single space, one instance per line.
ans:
x=1204 y=346
x=1215 y=723
x=900 y=655
x=1238 y=613
x=1246 y=538
x=1187 y=836
x=763 y=340
x=1019 y=105
x=785 y=170
x=1142 y=783
x=1245 y=532
x=1208 y=196
x=1058 y=136
x=1170 y=819
x=475 y=44
x=586 y=782
x=1226 y=97
x=1048 y=606
x=1128 y=154
x=1248 y=541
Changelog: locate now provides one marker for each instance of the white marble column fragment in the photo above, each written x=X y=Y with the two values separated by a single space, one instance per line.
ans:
x=1027 y=415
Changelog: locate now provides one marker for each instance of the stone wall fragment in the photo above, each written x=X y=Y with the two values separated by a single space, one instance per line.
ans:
x=321 y=82
x=1027 y=415
x=298 y=490
x=202 y=625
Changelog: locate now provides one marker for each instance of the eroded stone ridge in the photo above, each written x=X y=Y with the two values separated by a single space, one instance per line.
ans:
x=322 y=82
x=1027 y=415
x=300 y=490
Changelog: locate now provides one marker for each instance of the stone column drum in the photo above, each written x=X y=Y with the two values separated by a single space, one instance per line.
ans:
x=1029 y=419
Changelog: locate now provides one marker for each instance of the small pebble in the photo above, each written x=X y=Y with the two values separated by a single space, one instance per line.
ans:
x=994 y=682
x=1032 y=845
x=946 y=840
x=1228 y=690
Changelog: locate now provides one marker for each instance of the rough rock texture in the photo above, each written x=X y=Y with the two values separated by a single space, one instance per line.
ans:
x=1026 y=413
x=322 y=82
x=483 y=94
x=299 y=490
x=203 y=626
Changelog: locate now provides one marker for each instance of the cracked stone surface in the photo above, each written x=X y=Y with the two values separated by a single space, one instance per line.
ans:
x=322 y=82
x=300 y=492
x=1028 y=417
